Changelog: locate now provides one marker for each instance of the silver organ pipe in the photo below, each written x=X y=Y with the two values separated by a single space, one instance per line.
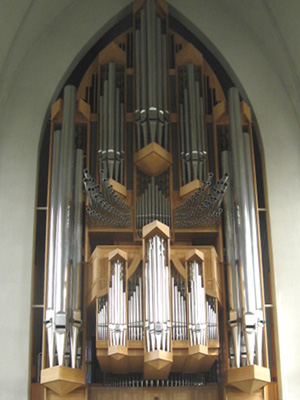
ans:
x=179 y=319
x=105 y=207
x=157 y=310
x=153 y=205
x=64 y=222
x=211 y=316
x=203 y=208
x=233 y=271
x=197 y=305
x=111 y=135
x=102 y=325
x=247 y=233
x=151 y=114
x=135 y=310
x=49 y=320
x=75 y=302
x=117 y=305
x=192 y=131
x=63 y=308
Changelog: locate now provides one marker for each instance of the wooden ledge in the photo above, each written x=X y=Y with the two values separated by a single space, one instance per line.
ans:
x=118 y=188
x=118 y=352
x=62 y=380
x=189 y=189
x=249 y=379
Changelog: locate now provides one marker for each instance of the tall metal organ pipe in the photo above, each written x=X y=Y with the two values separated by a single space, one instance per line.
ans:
x=192 y=131
x=64 y=223
x=197 y=305
x=233 y=270
x=111 y=134
x=117 y=305
x=151 y=114
x=246 y=229
x=77 y=258
x=157 y=300
x=63 y=314
x=49 y=320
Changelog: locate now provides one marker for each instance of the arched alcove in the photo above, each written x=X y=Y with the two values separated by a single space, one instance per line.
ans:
x=214 y=81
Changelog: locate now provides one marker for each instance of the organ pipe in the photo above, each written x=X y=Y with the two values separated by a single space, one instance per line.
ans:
x=77 y=258
x=102 y=326
x=153 y=205
x=64 y=222
x=135 y=309
x=197 y=305
x=49 y=320
x=245 y=224
x=117 y=304
x=157 y=311
x=203 y=208
x=111 y=135
x=63 y=313
x=151 y=114
x=192 y=127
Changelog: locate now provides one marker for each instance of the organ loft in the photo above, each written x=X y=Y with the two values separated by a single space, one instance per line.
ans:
x=153 y=265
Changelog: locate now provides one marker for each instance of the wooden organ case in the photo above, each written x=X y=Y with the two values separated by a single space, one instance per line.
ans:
x=153 y=276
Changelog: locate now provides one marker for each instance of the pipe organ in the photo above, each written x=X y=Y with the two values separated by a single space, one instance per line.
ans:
x=150 y=165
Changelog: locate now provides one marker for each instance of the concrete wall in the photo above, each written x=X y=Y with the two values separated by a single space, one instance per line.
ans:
x=42 y=41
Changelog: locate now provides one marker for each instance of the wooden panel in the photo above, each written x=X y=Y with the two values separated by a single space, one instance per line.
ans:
x=38 y=391
x=79 y=394
x=209 y=392
x=189 y=189
x=212 y=268
x=152 y=159
x=271 y=391
x=97 y=269
x=235 y=394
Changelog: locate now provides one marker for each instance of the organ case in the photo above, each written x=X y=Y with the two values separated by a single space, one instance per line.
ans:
x=155 y=298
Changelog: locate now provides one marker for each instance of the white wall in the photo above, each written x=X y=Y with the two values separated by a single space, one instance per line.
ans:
x=39 y=53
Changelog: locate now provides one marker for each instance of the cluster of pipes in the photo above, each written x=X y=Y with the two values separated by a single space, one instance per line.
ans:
x=151 y=114
x=63 y=302
x=137 y=380
x=245 y=286
x=153 y=205
x=192 y=131
x=203 y=207
x=102 y=323
x=135 y=308
x=157 y=301
x=197 y=304
x=117 y=305
x=202 y=320
x=112 y=117
x=211 y=316
x=179 y=322
x=105 y=206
